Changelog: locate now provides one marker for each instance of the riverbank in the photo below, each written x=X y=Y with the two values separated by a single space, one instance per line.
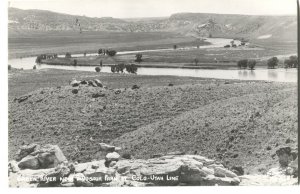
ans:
x=239 y=122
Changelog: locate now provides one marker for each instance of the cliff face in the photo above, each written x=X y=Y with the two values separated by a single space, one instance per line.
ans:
x=194 y=24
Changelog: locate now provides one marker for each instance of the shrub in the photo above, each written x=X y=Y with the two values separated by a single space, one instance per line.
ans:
x=174 y=46
x=101 y=63
x=138 y=57
x=9 y=67
x=34 y=67
x=97 y=69
x=242 y=63
x=75 y=62
x=111 y=52
x=251 y=64
x=196 y=61
x=68 y=55
x=100 y=51
x=113 y=68
x=227 y=46
x=272 y=62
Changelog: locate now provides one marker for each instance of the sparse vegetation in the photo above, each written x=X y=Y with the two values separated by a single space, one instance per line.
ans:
x=138 y=57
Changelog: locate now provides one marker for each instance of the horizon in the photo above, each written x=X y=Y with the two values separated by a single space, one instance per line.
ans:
x=136 y=9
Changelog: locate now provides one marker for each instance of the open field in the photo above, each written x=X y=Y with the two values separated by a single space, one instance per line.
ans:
x=32 y=43
x=236 y=122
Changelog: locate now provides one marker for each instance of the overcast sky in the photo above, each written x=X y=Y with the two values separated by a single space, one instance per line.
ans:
x=157 y=8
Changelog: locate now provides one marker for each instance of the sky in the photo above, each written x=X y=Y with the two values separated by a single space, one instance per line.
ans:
x=159 y=8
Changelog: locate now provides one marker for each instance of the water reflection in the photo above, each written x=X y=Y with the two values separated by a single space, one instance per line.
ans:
x=279 y=75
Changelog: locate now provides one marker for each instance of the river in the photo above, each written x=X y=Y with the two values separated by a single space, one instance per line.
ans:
x=278 y=75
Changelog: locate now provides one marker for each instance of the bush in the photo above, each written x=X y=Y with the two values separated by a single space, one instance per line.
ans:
x=111 y=52
x=75 y=62
x=131 y=68
x=113 y=68
x=34 y=67
x=97 y=69
x=272 y=62
x=138 y=57
x=9 y=67
x=174 y=46
x=242 y=63
x=68 y=55
x=251 y=64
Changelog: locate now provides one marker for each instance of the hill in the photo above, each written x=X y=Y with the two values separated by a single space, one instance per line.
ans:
x=191 y=24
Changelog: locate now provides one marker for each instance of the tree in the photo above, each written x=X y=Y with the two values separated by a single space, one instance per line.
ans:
x=84 y=54
x=272 y=62
x=174 y=46
x=111 y=53
x=68 y=55
x=131 y=68
x=38 y=59
x=75 y=62
x=242 y=63
x=97 y=69
x=196 y=61
x=100 y=51
x=101 y=63
x=293 y=61
x=251 y=64
x=138 y=57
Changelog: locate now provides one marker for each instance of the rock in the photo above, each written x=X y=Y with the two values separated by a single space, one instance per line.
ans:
x=29 y=162
x=55 y=177
x=81 y=181
x=114 y=156
x=83 y=82
x=100 y=175
x=26 y=150
x=134 y=87
x=106 y=148
x=98 y=83
x=75 y=91
x=284 y=155
x=117 y=91
x=222 y=172
x=49 y=156
x=13 y=166
x=112 y=163
x=92 y=83
x=170 y=84
x=238 y=170
x=75 y=83
x=211 y=180
x=98 y=94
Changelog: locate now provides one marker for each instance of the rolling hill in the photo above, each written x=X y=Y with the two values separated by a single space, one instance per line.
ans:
x=190 y=24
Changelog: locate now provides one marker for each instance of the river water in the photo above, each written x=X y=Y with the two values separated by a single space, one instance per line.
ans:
x=278 y=75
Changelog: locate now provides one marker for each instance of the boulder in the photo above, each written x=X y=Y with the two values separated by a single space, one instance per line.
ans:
x=106 y=148
x=75 y=83
x=114 y=156
x=13 y=166
x=80 y=181
x=26 y=150
x=100 y=175
x=50 y=156
x=98 y=83
x=29 y=162
x=285 y=156
x=222 y=172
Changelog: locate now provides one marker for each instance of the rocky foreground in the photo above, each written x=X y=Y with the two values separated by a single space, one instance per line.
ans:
x=46 y=166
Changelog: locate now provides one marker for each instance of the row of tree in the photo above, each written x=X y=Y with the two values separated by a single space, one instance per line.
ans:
x=130 y=68
x=291 y=62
